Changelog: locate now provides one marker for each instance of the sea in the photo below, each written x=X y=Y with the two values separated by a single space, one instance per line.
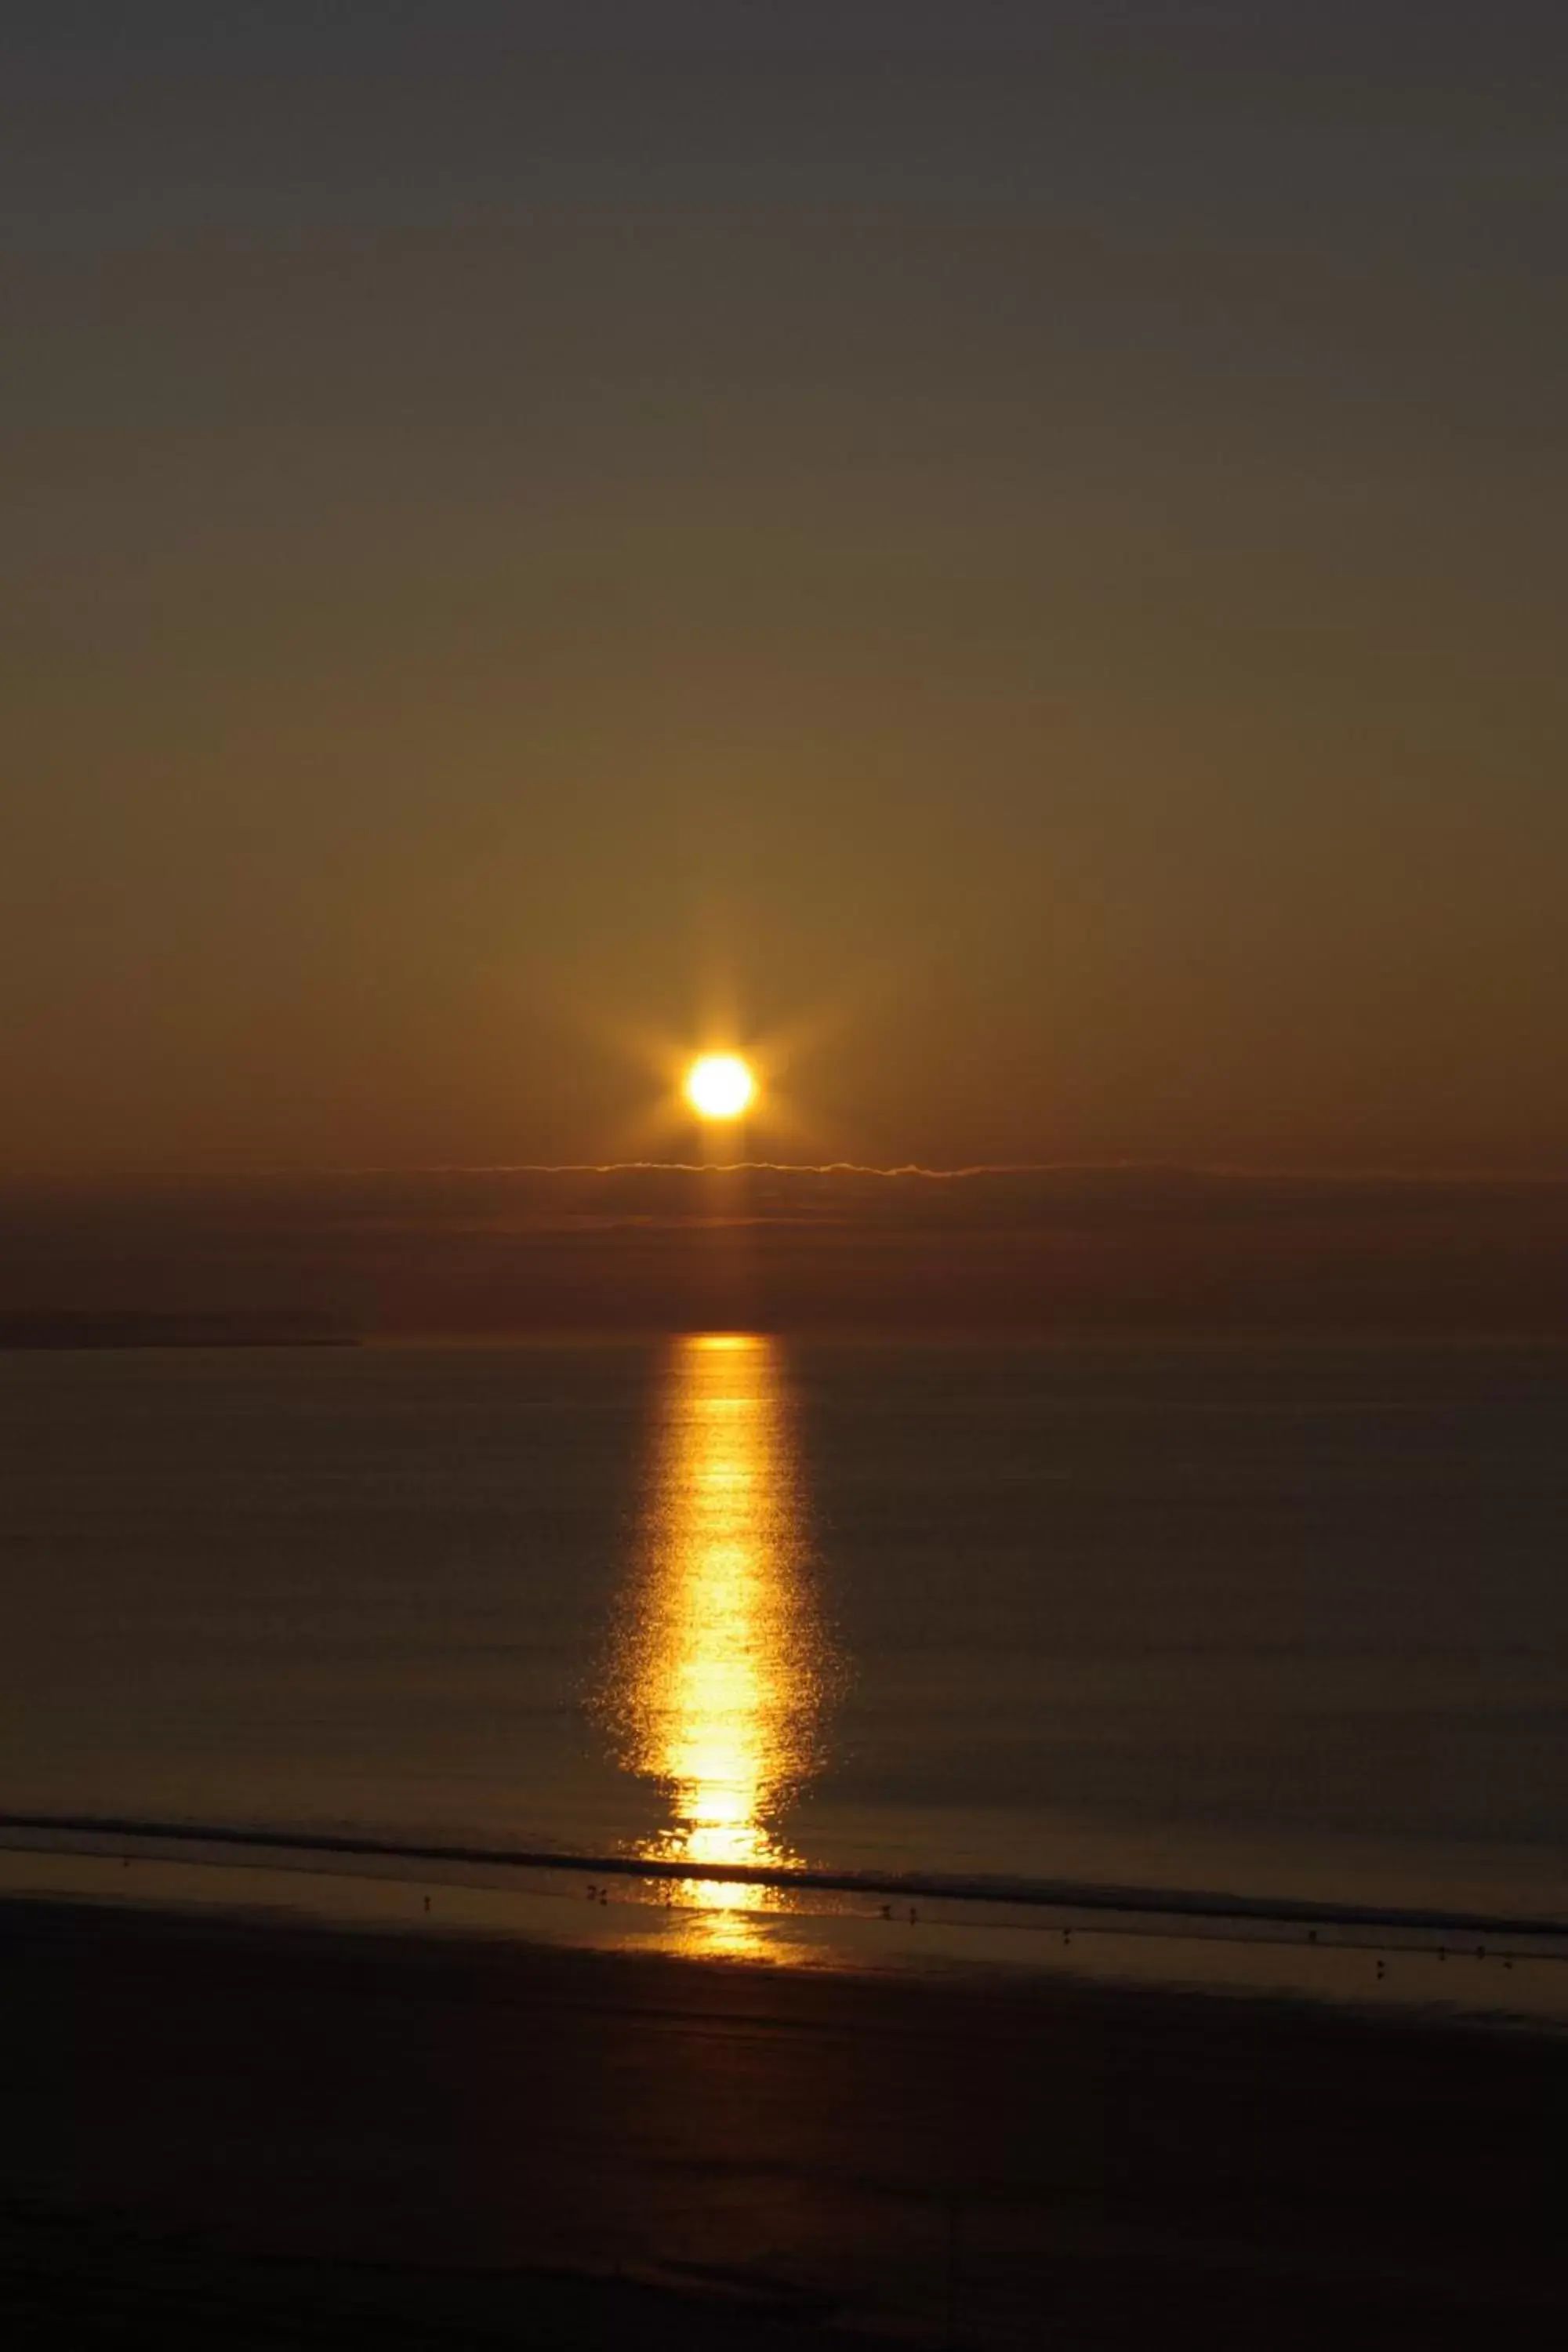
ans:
x=1286 y=1626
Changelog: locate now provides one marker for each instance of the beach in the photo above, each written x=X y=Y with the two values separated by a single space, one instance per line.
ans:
x=1041 y=1889
x=292 y=2133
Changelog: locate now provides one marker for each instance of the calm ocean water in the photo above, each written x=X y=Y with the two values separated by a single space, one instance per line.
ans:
x=1291 y=1621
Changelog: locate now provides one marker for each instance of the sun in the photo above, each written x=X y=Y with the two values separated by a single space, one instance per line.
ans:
x=719 y=1086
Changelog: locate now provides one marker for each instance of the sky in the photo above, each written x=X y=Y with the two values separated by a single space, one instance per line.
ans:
x=1008 y=557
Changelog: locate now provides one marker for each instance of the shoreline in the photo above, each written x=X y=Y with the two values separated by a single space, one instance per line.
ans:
x=1064 y=1896
x=573 y=1903
x=812 y=2145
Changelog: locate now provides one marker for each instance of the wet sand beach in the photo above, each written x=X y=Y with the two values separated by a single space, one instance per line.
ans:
x=260 y=2133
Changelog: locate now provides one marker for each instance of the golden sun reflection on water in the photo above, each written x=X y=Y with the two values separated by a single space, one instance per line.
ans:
x=719 y=1669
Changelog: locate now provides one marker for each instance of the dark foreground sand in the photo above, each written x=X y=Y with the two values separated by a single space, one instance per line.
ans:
x=234 y=2134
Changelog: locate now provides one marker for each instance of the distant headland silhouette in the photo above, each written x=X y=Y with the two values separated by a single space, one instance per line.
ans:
x=239 y=1327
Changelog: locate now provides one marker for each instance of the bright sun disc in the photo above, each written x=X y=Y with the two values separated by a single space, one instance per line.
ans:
x=719 y=1086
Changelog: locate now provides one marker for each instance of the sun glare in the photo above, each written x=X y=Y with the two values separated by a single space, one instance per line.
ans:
x=719 y=1086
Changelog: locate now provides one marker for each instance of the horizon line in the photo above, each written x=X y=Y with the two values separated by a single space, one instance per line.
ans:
x=1254 y=1172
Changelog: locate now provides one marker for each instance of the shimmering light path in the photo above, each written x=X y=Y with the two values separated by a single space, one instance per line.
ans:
x=720 y=1669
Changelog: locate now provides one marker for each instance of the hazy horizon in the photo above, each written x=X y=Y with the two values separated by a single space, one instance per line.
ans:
x=1080 y=1251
